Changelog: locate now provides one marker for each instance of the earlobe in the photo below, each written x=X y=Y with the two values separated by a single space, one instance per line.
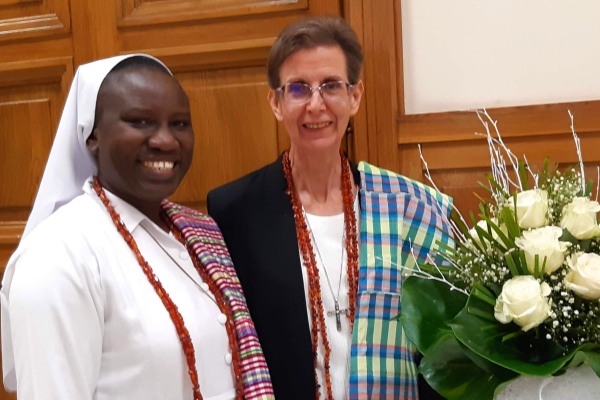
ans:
x=356 y=96
x=92 y=144
x=275 y=104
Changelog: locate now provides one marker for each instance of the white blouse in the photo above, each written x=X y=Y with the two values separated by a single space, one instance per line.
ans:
x=328 y=233
x=81 y=321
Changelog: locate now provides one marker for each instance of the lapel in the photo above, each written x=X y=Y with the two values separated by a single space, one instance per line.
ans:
x=279 y=230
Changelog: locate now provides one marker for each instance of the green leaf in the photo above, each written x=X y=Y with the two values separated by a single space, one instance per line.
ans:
x=509 y=217
x=453 y=371
x=588 y=188
x=544 y=174
x=483 y=294
x=428 y=306
x=523 y=175
x=493 y=183
x=505 y=242
x=593 y=358
x=456 y=218
x=512 y=266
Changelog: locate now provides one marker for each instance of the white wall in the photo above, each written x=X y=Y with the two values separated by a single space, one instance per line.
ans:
x=466 y=54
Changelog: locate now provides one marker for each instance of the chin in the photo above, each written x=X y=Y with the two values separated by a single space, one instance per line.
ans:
x=321 y=145
x=160 y=191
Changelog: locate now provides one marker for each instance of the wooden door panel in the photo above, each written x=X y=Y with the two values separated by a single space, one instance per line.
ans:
x=234 y=126
x=33 y=19
x=148 y=12
x=31 y=99
x=457 y=166
x=32 y=133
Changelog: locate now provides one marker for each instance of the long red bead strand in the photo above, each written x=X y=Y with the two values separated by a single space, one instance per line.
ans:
x=318 y=329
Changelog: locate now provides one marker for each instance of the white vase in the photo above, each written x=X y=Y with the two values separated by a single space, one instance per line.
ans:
x=580 y=383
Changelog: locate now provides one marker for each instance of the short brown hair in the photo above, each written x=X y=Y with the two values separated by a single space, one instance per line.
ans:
x=311 y=32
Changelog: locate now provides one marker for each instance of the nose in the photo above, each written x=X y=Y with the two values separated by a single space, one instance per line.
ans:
x=163 y=139
x=316 y=102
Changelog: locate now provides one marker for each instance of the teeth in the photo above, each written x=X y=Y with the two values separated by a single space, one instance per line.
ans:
x=159 y=165
x=317 y=125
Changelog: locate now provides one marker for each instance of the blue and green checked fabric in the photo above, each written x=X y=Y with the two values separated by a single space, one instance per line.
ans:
x=400 y=219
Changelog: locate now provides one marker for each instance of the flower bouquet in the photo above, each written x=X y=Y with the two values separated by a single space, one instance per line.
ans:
x=518 y=294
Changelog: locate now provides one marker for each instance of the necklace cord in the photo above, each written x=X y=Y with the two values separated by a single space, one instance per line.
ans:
x=318 y=329
x=182 y=331
x=316 y=247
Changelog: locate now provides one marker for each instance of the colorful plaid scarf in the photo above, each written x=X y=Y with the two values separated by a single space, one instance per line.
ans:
x=401 y=221
x=203 y=240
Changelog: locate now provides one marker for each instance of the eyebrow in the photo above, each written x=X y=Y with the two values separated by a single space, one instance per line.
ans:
x=324 y=80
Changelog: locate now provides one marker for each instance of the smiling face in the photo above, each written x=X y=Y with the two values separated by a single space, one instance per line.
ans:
x=318 y=125
x=143 y=139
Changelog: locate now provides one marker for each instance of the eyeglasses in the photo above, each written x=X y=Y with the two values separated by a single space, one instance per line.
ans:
x=301 y=93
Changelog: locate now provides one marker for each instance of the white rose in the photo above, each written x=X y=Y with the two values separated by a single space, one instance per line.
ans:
x=544 y=243
x=484 y=225
x=532 y=208
x=579 y=218
x=584 y=277
x=523 y=301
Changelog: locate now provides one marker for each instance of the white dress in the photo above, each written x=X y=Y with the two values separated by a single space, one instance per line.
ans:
x=81 y=321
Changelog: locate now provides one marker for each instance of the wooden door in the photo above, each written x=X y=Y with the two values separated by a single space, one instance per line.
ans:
x=216 y=48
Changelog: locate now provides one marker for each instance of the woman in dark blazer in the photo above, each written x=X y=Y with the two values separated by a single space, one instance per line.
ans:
x=297 y=227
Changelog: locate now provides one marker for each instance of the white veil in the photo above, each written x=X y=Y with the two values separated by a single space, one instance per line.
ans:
x=69 y=163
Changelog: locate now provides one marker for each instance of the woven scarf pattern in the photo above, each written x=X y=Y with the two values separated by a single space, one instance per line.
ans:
x=398 y=216
x=204 y=241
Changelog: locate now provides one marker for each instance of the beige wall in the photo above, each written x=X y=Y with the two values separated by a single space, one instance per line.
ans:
x=467 y=54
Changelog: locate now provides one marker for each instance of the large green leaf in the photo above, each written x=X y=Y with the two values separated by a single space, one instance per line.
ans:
x=428 y=306
x=523 y=353
x=593 y=358
x=454 y=372
x=589 y=353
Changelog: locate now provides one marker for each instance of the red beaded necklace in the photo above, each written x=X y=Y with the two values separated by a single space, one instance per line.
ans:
x=308 y=257
x=170 y=306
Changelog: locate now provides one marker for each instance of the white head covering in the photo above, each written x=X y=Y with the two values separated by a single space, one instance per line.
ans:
x=70 y=163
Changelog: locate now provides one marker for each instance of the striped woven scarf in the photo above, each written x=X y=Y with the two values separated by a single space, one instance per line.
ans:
x=203 y=240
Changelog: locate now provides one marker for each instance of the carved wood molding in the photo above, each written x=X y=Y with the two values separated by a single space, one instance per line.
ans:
x=34 y=19
x=46 y=71
x=239 y=53
x=4 y=3
x=139 y=12
x=470 y=154
x=10 y=233
x=535 y=120
x=32 y=26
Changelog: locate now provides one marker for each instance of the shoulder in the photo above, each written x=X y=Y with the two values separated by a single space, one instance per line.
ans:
x=183 y=216
x=78 y=224
x=237 y=192
x=375 y=179
x=71 y=223
x=60 y=245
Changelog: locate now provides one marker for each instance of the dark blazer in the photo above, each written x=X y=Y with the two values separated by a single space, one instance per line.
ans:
x=255 y=216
